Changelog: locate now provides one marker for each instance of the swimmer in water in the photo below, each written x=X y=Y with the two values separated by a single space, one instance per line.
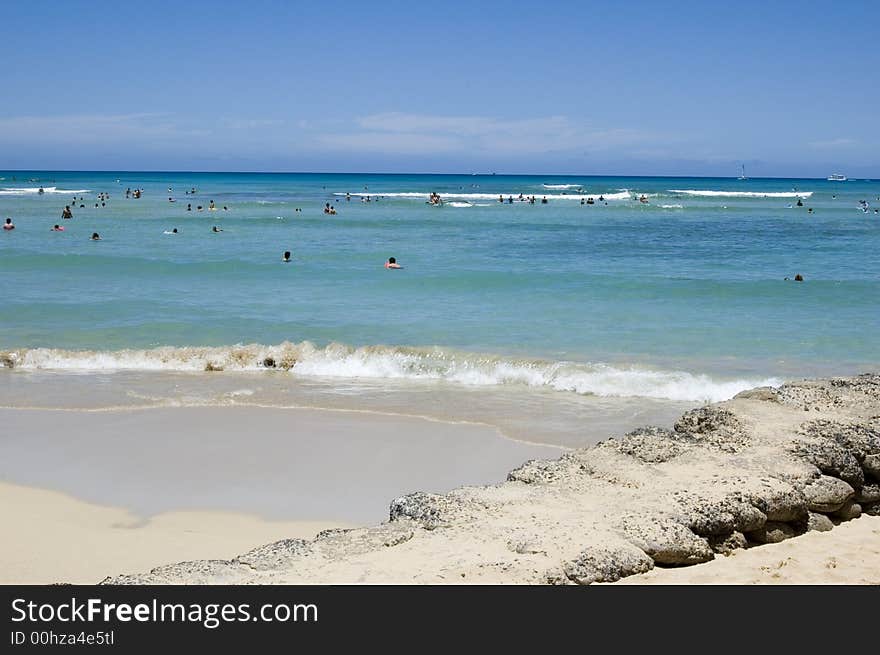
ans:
x=216 y=229
x=392 y=263
x=57 y=228
x=95 y=236
x=286 y=256
x=174 y=231
x=66 y=213
x=8 y=225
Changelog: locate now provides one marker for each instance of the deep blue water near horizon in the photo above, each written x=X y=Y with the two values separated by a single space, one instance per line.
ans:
x=691 y=280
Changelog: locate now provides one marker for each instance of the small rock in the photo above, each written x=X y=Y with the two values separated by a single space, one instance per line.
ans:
x=607 y=564
x=772 y=533
x=819 y=523
x=870 y=493
x=871 y=464
x=726 y=544
x=850 y=510
x=759 y=393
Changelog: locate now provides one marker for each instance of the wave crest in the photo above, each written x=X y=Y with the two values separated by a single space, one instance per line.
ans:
x=396 y=362
x=742 y=194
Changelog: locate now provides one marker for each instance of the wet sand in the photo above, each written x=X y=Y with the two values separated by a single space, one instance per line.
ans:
x=88 y=494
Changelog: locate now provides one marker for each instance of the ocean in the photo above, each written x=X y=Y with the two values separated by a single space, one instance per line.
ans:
x=557 y=322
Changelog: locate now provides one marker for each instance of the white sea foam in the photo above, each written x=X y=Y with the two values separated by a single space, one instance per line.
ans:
x=26 y=191
x=563 y=186
x=672 y=206
x=460 y=204
x=742 y=194
x=623 y=195
x=387 y=362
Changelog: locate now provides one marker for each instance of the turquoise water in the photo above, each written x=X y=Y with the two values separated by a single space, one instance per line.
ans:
x=682 y=297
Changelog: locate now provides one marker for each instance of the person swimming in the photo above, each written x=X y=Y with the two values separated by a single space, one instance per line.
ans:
x=57 y=228
x=286 y=256
x=95 y=236
x=174 y=231
x=8 y=225
x=216 y=229
x=392 y=263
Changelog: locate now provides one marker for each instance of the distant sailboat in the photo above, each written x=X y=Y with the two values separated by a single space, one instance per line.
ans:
x=742 y=175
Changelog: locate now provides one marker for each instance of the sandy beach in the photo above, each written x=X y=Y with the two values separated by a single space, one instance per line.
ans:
x=89 y=494
x=51 y=537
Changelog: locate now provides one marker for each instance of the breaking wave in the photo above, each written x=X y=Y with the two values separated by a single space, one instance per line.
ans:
x=26 y=191
x=742 y=194
x=399 y=363
x=622 y=195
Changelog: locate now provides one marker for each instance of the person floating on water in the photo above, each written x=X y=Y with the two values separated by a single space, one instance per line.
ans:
x=174 y=231
x=95 y=236
x=216 y=229
x=8 y=225
x=392 y=263
x=41 y=191
x=286 y=256
x=57 y=228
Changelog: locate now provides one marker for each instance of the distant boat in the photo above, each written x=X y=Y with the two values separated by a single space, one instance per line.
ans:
x=742 y=175
x=837 y=177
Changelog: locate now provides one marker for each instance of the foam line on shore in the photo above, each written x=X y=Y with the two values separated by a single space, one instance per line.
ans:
x=379 y=362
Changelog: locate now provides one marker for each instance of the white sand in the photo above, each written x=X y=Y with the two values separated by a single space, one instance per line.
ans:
x=84 y=495
x=51 y=537
x=849 y=554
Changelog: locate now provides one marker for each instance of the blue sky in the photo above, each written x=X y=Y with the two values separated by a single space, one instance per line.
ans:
x=787 y=88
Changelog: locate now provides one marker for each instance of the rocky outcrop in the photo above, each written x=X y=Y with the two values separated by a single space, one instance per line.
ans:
x=768 y=465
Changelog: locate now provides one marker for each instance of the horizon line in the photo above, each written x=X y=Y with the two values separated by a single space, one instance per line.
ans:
x=469 y=174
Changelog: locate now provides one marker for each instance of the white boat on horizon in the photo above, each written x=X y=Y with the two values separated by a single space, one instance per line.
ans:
x=837 y=177
x=742 y=175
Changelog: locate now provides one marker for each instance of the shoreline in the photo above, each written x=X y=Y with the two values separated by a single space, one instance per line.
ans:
x=765 y=467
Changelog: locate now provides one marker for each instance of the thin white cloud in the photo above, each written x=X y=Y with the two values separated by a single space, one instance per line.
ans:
x=833 y=143
x=93 y=128
x=398 y=132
